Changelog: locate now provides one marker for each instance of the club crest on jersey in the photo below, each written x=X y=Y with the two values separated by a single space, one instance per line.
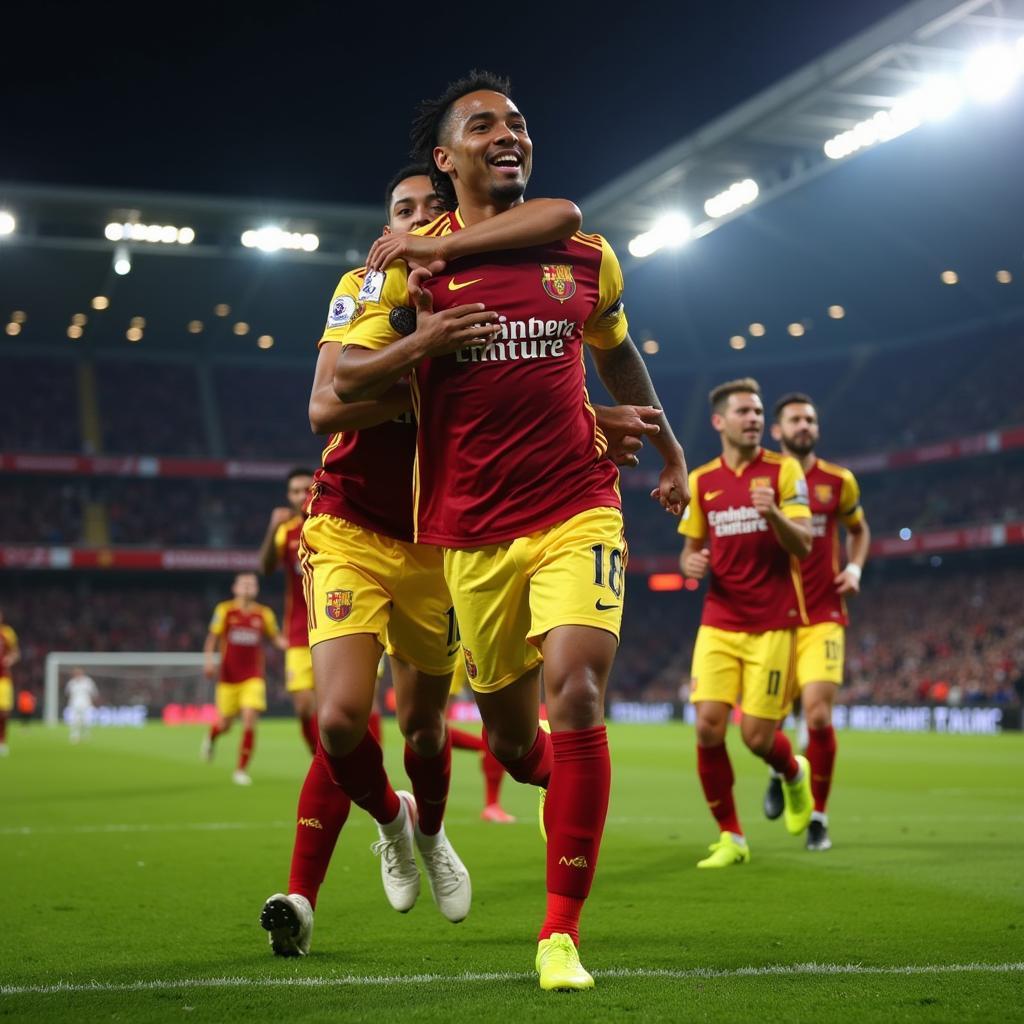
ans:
x=823 y=493
x=558 y=281
x=760 y=481
x=339 y=605
x=471 y=669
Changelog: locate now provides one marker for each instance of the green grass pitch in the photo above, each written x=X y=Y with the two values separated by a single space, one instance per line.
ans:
x=128 y=864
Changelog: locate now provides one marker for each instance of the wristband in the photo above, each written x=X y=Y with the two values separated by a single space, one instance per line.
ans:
x=854 y=570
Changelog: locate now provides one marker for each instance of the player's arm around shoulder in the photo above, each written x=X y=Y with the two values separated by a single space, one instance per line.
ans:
x=388 y=341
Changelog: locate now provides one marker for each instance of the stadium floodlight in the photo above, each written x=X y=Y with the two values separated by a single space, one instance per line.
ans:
x=122 y=261
x=272 y=238
x=670 y=230
x=990 y=73
x=740 y=193
x=906 y=533
x=164 y=234
x=7 y=223
x=939 y=98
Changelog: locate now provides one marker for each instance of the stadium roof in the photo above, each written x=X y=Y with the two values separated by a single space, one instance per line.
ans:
x=871 y=232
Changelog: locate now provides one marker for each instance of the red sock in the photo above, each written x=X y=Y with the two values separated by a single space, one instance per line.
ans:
x=3 y=728
x=216 y=729
x=821 y=752
x=494 y=772
x=430 y=778
x=323 y=810
x=534 y=768
x=781 y=758
x=715 y=771
x=309 y=732
x=373 y=727
x=245 y=748
x=361 y=774
x=574 y=815
x=462 y=740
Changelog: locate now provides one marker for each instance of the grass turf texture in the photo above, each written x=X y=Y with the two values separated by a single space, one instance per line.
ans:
x=125 y=860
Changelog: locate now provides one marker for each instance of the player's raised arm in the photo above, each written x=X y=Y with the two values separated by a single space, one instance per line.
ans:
x=536 y=222
x=273 y=540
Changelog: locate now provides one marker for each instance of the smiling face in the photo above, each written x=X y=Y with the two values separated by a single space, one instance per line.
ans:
x=414 y=204
x=485 y=148
x=740 y=421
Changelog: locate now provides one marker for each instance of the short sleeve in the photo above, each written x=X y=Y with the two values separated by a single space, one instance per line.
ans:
x=281 y=540
x=851 y=515
x=12 y=639
x=344 y=307
x=693 y=522
x=793 y=498
x=270 y=622
x=606 y=327
x=217 y=622
x=380 y=294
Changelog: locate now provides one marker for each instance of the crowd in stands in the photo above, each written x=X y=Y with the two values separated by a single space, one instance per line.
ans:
x=39 y=411
x=931 y=636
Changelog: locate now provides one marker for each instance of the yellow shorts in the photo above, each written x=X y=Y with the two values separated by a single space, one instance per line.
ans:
x=6 y=694
x=819 y=653
x=754 y=670
x=298 y=669
x=507 y=596
x=233 y=697
x=358 y=581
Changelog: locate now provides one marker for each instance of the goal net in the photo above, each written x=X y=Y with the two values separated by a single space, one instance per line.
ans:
x=133 y=687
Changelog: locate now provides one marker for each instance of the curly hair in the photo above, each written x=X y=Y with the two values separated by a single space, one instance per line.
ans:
x=431 y=122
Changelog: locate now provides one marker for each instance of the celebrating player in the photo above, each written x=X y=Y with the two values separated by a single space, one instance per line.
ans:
x=238 y=629
x=81 y=693
x=281 y=547
x=834 y=499
x=749 y=524
x=368 y=588
x=510 y=476
x=9 y=657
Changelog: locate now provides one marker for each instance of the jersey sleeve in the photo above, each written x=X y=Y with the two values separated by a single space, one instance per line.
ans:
x=217 y=622
x=851 y=515
x=344 y=307
x=281 y=533
x=11 y=639
x=606 y=327
x=792 y=497
x=270 y=623
x=693 y=522
x=381 y=292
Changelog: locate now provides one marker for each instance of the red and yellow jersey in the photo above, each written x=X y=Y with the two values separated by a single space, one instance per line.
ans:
x=8 y=648
x=366 y=476
x=242 y=632
x=508 y=441
x=835 y=499
x=286 y=544
x=755 y=583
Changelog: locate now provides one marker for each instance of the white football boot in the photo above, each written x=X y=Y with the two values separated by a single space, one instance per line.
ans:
x=289 y=923
x=398 y=869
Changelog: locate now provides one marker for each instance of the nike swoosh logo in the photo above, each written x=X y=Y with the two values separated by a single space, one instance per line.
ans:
x=453 y=287
x=604 y=607
x=454 y=650
x=711 y=495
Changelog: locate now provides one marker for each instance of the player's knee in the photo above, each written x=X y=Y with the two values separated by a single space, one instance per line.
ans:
x=425 y=734
x=818 y=716
x=710 y=733
x=578 y=702
x=759 y=742
x=506 y=747
x=341 y=727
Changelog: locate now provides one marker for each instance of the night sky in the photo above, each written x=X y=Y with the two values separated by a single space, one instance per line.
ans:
x=312 y=101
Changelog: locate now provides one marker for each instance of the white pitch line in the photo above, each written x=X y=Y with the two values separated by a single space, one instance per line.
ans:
x=188 y=826
x=777 y=970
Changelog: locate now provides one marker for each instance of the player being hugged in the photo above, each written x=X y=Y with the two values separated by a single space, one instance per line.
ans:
x=835 y=500
x=511 y=481
x=748 y=526
x=238 y=630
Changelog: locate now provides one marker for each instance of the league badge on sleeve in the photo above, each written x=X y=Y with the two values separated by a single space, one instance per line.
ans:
x=558 y=281
x=373 y=286
x=342 y=311
x=339 y=605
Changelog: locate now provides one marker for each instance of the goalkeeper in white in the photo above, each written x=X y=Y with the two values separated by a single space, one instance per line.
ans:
x=81 y=693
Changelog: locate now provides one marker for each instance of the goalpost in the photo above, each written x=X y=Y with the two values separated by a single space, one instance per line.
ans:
x=129 y=679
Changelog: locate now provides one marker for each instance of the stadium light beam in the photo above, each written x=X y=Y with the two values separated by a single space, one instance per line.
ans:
x=990 y=73
x=671 y=230
x=8 y=224
x=271 y=238
x=122 y=261
x=741 y=193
